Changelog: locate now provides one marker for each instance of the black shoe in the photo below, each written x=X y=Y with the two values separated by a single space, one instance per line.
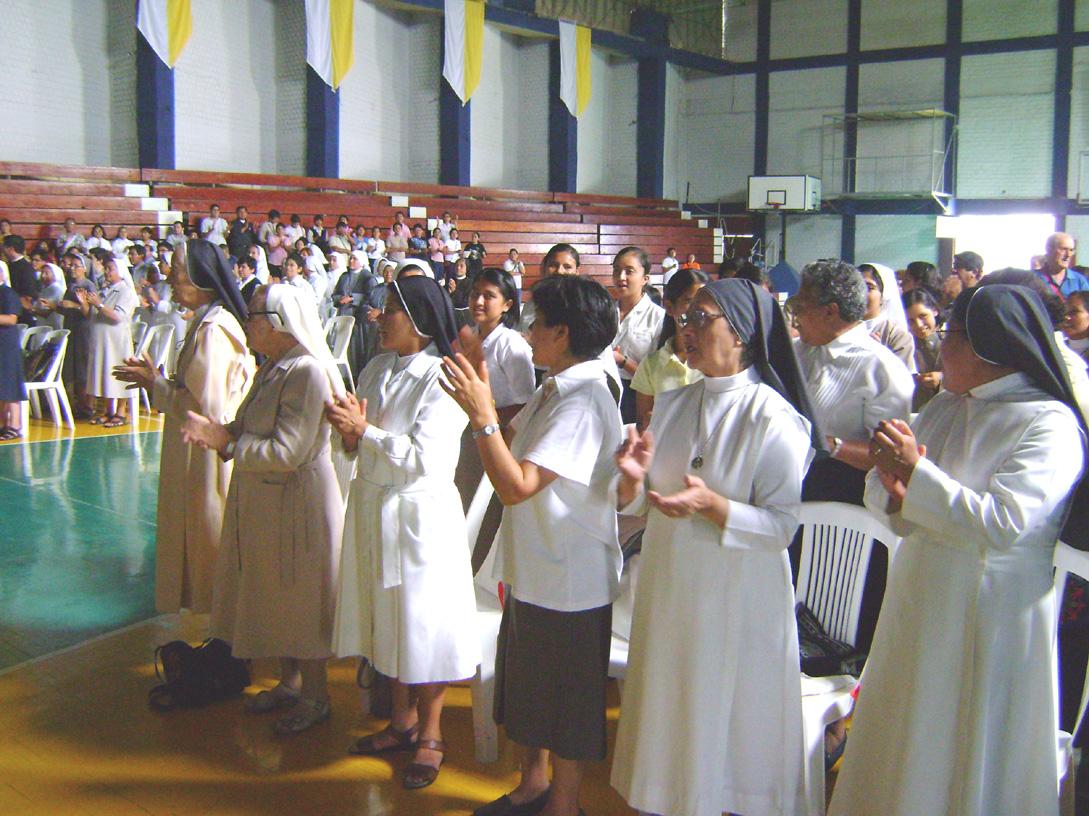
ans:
x=503 y=806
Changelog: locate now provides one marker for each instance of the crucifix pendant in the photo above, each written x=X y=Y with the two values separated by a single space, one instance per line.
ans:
x=697 y=462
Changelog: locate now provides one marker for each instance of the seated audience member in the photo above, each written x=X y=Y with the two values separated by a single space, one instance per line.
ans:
x=691 y=262
x=242 y=234
x=474 y=254
x=376 y=248
x=318 y=234
x=213 y=228
x=1076 y=322
x=261 y=258
x=922 y=316
x=667 y=368
x=295 y=230
x=177 y=234
x=670 y=264
x=854 y=381
x=406 y=599
x=557 y=545
x=293 y=274
x=963 y=655
x=968 y=266
x=640 y=322
x=276 y=574
x=884 y=313
x=269 y=227
x=70 y=239
x=120 y=245
x=458 y=285
x=417 y=243
x=341 y=240
x=247 y=278
x=147 y=237
x=109 y=341
x=1058 y=270
x=98 y=239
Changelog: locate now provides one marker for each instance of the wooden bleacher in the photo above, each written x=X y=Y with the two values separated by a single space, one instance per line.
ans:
x=37 y=198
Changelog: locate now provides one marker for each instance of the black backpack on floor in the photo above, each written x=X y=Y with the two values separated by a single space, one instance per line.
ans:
x=196 y=675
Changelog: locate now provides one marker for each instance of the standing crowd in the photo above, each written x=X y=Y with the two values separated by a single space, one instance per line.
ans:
x=315 y=520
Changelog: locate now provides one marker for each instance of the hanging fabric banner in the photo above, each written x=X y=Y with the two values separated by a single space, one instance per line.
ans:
x=330 y=39
x=574 y=66
x=464 y=45
x=166 y=25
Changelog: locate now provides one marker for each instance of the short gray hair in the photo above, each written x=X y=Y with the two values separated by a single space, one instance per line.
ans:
x=837 y=282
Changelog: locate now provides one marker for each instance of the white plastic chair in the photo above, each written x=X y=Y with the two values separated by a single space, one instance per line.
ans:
x=837 y=540
x=139 y=329
x=338 y=334
x=157 y=342
x=51 y=386
x=34 y=337
x=1068 y=561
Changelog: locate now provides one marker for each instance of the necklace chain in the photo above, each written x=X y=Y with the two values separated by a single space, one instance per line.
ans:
x=697 y=460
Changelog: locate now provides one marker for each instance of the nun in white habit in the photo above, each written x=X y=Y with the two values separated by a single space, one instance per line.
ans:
x=406 y=598
x=887 y=323
x=719 y=476
x=957 y=713
x=276 y=573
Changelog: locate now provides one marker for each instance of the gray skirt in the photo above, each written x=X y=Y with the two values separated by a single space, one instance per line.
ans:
x=550 y=673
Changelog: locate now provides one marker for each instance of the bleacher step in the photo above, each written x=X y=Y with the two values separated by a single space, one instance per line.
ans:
x=137 y=190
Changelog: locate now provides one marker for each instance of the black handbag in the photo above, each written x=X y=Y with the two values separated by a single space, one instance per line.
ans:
x=821 y=654
x=196 y=675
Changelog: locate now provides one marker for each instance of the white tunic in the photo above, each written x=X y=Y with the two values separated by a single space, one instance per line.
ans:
x=957 y=709
x=110 y=341
x=711 y=720
x=510 y=366
x=406 y=597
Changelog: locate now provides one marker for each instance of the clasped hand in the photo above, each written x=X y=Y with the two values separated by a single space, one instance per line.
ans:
x=348 y=416
x=895 y=452
x=139 y=372
x=204 y=432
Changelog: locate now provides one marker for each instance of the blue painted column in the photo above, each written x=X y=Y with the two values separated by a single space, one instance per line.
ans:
x=848 y=224
x=652 y=27
x=154 y=108
x=455 y=138
x=762 y=106
x=954 y=29
x=322 y=127
x=1064 y=80
x=563 y=132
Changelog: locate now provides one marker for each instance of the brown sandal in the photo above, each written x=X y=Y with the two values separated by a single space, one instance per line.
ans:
x=115 y=421
x=417 y=775
x=405 y=741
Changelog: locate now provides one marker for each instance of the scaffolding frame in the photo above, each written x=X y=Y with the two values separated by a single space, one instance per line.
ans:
x=919 y=173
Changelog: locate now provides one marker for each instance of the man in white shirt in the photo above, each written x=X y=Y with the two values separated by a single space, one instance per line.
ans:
x=177 y=235
x=70 y=239
x=213 y=228
x=448 y=223
x=268 y=229
x=670 y=265
x=341 y=241
x=295 y=230
x=854 y=381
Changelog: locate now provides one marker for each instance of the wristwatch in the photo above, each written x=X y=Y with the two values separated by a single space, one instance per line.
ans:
x=228 y=452
x=837 y=443
x=487 y=430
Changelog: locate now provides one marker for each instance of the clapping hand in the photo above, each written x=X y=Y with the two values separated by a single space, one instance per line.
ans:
x=895 y=452
x=634 y=456
x=694 y=498
x=204 y=432
x=140 y=372
x=348 y=416
x=470 y=388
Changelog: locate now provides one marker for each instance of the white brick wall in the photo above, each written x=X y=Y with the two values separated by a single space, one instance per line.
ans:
x=1081 y=15
x=606 y=133
x=675 y=159
x=809 y=237
x=69 y=82
x=1079 y=121
x=239 y=88
x=1078 y=226
x=509 y=113
x=388 y=105
x=899 y=156
x=888 y=24
x=801 y=28
x=1007 y=109
x=799 y=100
x=995 y=19
x=895 y=240
x=718 y=133
x=741 y=30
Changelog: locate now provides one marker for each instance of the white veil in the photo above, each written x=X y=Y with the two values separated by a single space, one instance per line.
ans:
x=299 y=316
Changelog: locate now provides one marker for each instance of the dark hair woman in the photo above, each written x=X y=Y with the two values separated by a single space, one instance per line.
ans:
x=640 y=324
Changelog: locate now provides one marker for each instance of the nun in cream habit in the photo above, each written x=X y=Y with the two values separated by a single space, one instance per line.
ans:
x=957 y=713
x=711 y=720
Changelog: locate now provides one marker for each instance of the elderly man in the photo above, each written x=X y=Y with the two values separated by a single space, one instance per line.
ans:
x=1057 y=271
x=854 y=381
x=968 y=266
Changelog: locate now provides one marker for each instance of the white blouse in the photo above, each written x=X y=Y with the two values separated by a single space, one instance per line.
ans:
x=510 y=367
x=855 y=382
x=559 y=548
x=639 y=331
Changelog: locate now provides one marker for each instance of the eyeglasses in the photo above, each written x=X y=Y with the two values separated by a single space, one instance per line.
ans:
x=698 y=318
